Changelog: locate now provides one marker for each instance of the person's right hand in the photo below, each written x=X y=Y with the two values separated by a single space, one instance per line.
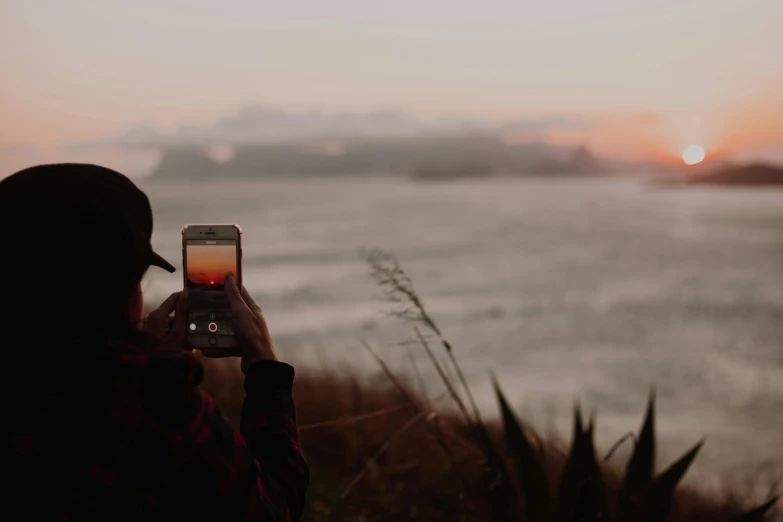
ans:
x=170 y=332
x=249 y=326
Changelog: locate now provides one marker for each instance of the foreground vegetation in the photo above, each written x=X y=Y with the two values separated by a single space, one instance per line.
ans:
x=384 y=452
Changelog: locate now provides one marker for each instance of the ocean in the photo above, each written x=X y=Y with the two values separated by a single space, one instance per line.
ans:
x=588 y=290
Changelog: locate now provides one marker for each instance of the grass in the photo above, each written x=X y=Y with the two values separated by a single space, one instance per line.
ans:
x=385 y=452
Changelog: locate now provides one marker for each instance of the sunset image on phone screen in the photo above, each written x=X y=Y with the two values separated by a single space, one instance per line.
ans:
x=208 y=264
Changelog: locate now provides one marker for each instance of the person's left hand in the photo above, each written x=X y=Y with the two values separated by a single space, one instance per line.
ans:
x=170 y=331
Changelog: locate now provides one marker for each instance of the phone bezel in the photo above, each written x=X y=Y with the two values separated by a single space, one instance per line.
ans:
x=218 y=232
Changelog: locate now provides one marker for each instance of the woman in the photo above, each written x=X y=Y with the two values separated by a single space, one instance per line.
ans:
x=108 y=421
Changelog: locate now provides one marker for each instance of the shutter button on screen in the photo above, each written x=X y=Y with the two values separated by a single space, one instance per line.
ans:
x=212 y=327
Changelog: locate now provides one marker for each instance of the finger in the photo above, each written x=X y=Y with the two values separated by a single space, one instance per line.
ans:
x=233 y=295
x=157 y=322
x=168 y=305
x=251 y=303
x=179 y=324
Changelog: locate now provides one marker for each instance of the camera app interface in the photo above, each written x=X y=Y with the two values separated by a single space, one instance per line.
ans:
x=208 y=262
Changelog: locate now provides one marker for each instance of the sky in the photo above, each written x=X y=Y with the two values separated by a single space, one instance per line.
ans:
x=652 y=76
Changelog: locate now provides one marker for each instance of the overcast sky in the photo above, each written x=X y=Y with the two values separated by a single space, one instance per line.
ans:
x=656 y=74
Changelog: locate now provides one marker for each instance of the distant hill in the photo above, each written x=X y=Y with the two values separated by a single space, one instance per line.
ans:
x=433 y=156
x=186 y=162
x=754 y=174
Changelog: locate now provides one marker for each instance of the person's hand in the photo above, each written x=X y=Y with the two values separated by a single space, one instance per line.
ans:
x=170 y=331
x=249 y=327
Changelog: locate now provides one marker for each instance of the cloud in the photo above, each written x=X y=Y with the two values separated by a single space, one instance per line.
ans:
x=261 y=124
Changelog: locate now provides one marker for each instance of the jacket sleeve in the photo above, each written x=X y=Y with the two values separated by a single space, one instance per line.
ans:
x=259 y=474
x=268 y=426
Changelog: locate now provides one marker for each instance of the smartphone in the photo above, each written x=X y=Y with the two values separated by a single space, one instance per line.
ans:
x=209 y=252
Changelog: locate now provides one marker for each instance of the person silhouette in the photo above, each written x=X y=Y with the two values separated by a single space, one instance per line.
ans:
x=107 y=418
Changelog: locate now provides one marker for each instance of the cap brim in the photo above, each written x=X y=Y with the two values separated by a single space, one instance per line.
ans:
x=162 y=263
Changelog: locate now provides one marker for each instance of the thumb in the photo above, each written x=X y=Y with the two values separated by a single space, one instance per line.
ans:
x=232 y=293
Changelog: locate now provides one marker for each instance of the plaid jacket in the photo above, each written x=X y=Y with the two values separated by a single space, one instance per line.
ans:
x=128 y=435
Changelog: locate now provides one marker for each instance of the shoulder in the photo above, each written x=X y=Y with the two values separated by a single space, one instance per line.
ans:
x=172 y=398
x=163 y=387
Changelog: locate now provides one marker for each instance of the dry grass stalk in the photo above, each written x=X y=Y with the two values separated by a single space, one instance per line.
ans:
x=398 y=289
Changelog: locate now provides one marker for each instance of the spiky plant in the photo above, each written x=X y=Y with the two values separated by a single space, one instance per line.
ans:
x=581 y=494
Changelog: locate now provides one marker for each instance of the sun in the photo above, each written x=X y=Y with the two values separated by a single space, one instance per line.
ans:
x=693 y=154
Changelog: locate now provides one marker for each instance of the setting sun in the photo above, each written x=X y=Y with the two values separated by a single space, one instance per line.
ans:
x=692 y=155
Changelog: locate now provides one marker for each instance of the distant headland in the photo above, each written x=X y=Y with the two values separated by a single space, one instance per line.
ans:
x=752 y=174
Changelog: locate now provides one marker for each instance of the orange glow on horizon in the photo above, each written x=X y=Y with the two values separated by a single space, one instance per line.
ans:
x=754 y=126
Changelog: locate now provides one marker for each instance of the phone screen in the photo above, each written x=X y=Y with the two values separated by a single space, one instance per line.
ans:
x=207 y=263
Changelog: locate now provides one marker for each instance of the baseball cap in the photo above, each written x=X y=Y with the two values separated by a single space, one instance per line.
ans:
x=104 y=206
